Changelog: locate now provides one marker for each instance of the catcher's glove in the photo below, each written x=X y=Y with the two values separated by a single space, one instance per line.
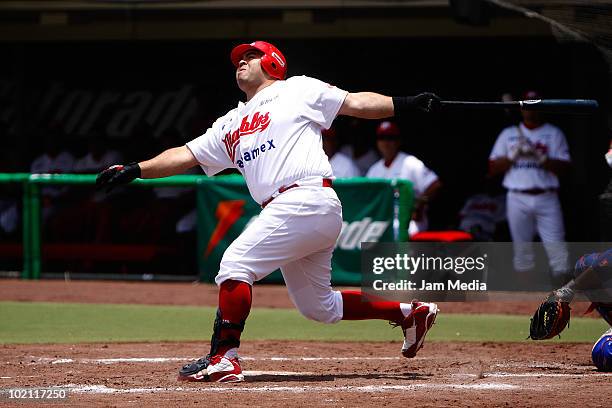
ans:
x=550 y=319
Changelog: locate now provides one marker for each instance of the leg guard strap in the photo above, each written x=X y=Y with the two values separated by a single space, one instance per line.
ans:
x=216 y=341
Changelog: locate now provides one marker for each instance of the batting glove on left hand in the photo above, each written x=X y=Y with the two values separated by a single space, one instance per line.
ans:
x=117 y=175
x=426 y=102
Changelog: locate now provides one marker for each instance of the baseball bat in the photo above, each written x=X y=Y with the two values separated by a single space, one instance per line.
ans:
x=571 y=106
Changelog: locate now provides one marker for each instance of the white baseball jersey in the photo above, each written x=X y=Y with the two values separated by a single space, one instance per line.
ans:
x=526 y=173
x=267 y=141
x=364 y=162
x=484 y=211
x=343 y=166
x=405 y=166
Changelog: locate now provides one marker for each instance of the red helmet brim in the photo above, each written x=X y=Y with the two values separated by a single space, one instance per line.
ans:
x=239 y=51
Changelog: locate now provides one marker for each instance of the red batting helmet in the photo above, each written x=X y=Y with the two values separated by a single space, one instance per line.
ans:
x=273 y=61
x=387 y=129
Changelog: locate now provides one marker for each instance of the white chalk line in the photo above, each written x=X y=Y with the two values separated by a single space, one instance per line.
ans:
x=562 y=366
x=186 y=359
x=565 y=375
x=247 y=373
x=535 y=365
x=102 y=389
x=523 y=375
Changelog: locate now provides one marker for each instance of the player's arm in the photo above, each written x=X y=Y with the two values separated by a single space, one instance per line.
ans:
x=558 y=167
x=371 y=105
x=499 y=166
x=170 y=162
x=502 y=155
x=556 y=159
x=430 y=193
x=367 y=105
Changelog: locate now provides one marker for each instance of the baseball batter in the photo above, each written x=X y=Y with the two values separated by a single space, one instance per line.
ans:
x=274 y=140
x=532 y=155
x=397 y=164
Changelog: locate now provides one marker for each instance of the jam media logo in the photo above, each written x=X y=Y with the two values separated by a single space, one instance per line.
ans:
x=258 y=123
x=228 y=212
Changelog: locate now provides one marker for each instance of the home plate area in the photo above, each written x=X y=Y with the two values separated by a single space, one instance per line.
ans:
x=283 y=373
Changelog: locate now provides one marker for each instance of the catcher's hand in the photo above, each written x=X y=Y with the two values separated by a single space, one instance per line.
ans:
x=117 y=175
x=550 y=319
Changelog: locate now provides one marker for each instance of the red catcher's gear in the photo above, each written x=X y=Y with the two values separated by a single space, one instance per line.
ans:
x=273 y=61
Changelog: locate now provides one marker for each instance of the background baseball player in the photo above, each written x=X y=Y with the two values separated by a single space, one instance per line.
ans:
x=342 y=166
x=358 y=145
x=274 y=140
x=484 y=212
x=397 y=164
x=532 y=155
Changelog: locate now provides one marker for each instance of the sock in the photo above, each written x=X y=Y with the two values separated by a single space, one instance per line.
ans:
x=235 y=304
x=359 y=306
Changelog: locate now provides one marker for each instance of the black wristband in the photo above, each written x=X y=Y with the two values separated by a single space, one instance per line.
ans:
x=402 y=104
x=135 y=169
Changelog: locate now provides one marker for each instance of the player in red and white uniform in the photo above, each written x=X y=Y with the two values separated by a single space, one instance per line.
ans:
x=274 y=140
x=397 y=164
x=532 y=155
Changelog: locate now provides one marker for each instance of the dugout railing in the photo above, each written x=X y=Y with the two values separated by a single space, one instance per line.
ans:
x=373 y=210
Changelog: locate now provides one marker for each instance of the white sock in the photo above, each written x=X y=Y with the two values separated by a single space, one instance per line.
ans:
x=406 y=308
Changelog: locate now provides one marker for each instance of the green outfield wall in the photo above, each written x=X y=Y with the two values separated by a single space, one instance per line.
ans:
x=374 y=210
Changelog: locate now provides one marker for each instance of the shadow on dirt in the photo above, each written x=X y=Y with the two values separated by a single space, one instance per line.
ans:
x=334 y=377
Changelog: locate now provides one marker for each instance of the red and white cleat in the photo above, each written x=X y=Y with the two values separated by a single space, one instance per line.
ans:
x=225 y=369
x=416 y=325
x=218 y=368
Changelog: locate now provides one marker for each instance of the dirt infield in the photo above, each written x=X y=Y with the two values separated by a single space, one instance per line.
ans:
x=281 y=374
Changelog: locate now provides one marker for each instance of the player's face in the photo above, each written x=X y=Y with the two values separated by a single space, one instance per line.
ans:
x=249 y=69
x=531 y=116
x=388 y=147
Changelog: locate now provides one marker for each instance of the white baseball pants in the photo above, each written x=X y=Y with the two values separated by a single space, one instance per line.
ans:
x=541 y=213
x=296 y=232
